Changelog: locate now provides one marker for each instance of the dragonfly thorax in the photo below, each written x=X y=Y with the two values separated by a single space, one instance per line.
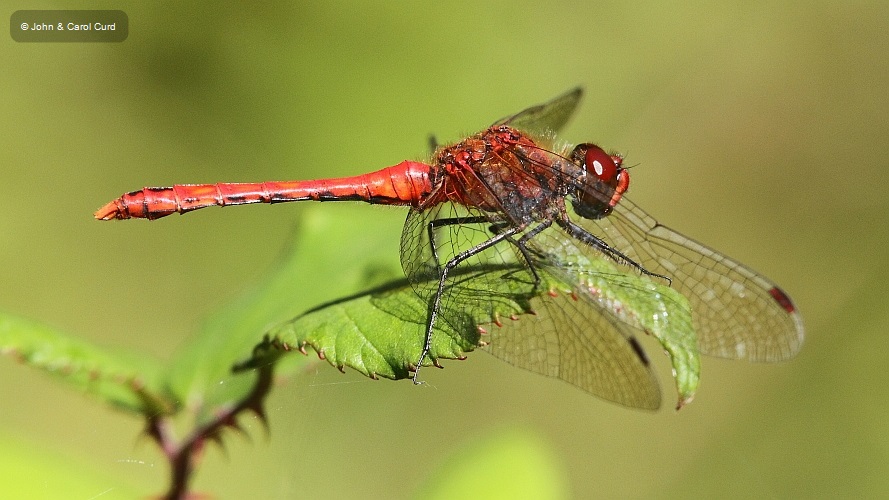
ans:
x=501 y=170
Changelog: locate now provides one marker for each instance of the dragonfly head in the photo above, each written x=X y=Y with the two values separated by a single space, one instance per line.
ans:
x=601 y=183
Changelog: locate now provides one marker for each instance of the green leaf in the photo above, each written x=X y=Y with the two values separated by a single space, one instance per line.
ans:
x=380 y=332
x=126 y=380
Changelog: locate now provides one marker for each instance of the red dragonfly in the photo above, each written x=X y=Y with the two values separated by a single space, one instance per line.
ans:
x=500 y=196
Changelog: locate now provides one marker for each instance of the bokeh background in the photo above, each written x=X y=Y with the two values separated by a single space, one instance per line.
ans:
x=760 y=129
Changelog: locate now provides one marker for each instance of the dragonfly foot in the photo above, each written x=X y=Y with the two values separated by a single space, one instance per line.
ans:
x=668 y=279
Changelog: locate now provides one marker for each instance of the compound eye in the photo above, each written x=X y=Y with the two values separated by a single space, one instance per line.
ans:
x=600 y=164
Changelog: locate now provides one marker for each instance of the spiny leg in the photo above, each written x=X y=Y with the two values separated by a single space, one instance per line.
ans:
x=522 y=243
x=450 y=221
x=495 y=228
x=594 y=241
x=443 y=276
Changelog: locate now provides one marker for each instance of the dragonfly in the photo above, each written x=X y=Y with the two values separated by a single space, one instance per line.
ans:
x=514 y=194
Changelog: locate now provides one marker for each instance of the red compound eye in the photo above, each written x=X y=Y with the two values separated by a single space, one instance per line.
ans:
x=600 y=164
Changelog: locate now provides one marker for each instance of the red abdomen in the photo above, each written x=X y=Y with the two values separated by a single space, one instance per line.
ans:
x=408 y=183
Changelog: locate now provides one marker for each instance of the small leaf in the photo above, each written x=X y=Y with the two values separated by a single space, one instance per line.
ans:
x=380 y=332
x=129 y=381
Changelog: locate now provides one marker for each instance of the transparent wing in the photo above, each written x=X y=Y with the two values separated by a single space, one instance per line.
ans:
x=574 y=337
x=548 y=117
x=737 y=312
x=571 y=336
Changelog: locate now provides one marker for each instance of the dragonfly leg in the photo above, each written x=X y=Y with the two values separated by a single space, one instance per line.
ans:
x=495 y=228
x=522 y=243
x=443 y=276
x=594 y=241
x=450 y=221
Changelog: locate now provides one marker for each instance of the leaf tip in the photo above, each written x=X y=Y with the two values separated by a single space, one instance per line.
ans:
x=684 y=401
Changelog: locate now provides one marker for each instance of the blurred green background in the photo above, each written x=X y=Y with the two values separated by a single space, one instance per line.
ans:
x=760 y=129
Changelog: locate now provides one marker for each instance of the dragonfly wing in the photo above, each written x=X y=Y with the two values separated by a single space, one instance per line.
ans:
x=737 y=312
x=582 y=343
x=548 y=117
